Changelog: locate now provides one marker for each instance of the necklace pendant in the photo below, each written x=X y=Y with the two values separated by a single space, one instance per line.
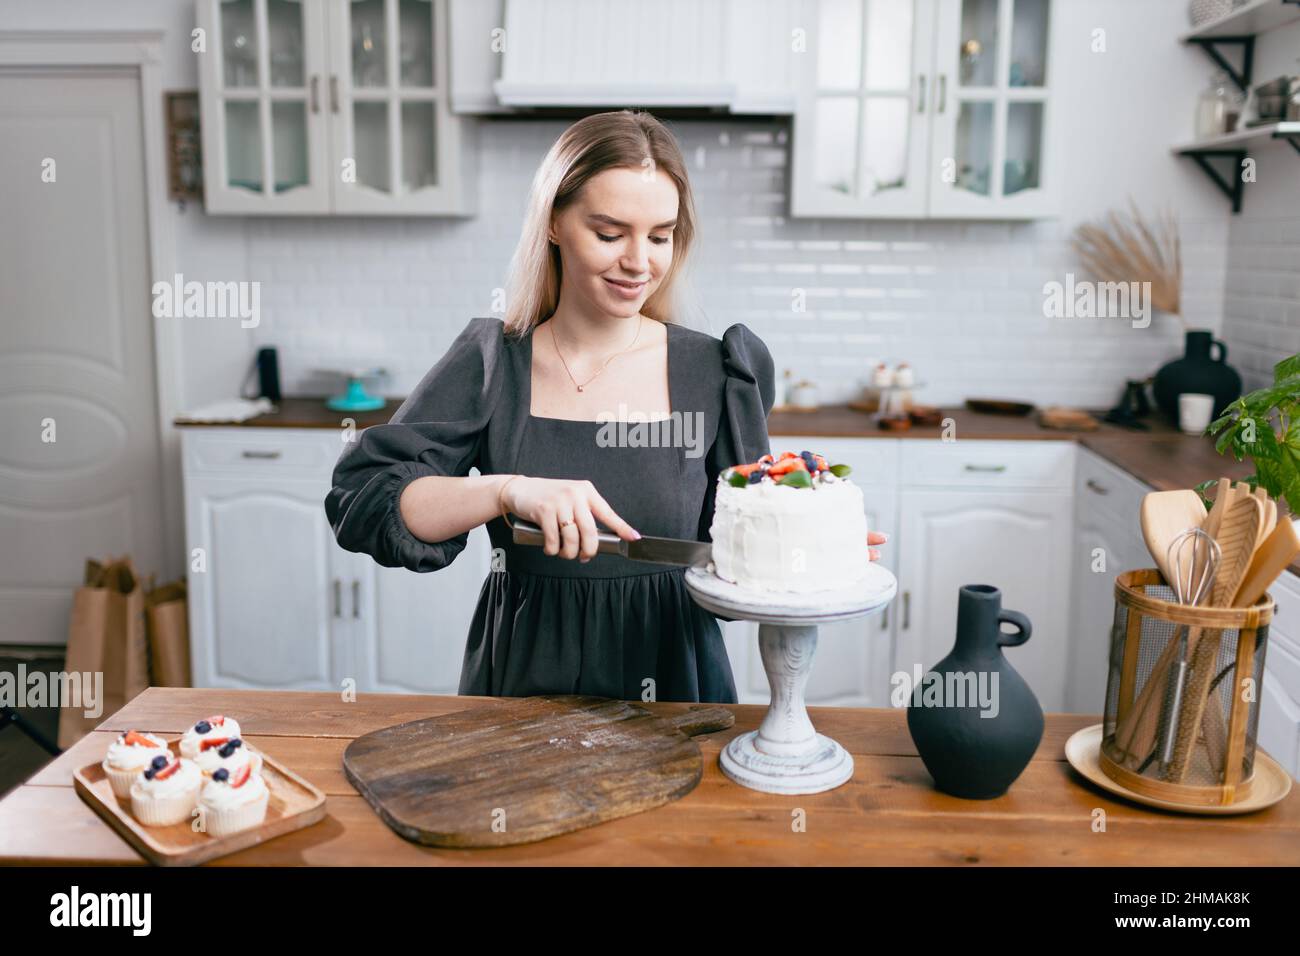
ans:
x=580 y=388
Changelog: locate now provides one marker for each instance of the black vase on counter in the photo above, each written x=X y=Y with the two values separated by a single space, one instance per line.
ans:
x=1196 y=371
x=977 y=748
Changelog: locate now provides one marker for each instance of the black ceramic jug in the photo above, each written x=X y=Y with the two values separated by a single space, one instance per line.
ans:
x=1196 y=371
x=970 y=755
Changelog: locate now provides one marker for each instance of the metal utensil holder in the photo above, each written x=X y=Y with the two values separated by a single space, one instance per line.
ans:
x=1216 y=753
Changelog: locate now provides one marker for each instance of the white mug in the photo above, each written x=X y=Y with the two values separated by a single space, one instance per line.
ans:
x=1194 y=411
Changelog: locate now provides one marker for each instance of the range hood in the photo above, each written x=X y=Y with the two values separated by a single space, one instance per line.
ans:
x=722 y=54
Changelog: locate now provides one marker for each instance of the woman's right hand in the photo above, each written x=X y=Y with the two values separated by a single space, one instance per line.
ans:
x=549 y=502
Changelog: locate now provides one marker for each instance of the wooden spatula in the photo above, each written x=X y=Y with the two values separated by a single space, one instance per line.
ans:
x=1165 y=515
x=1277 y=551
x=1237 y=536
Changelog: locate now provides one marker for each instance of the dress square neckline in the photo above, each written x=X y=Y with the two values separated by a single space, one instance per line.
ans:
x=669 y=332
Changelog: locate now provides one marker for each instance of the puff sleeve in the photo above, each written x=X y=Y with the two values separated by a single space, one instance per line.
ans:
x=749 y=392
x=436 y=431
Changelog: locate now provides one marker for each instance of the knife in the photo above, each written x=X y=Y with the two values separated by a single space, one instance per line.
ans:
x=659 y=550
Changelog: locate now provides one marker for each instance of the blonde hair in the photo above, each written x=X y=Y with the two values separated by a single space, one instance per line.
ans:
x=623 y=138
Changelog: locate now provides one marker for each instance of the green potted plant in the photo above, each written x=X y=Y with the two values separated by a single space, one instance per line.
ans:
x=1265 y=425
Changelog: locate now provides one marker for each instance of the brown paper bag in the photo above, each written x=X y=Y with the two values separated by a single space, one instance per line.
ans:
x=167 y=621
x=108 y=652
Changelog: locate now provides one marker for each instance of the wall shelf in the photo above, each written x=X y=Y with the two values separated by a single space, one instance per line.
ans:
x=1234 y=146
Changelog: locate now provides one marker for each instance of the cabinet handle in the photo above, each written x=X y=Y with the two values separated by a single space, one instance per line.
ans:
x=907 y=609
x=1101 y=490
x=942 y=92
x=920 y=95
x=884 y=618
x=356 y=599
x=267 y=455
x=995 y=469
x=338 y=598
x=315 y=93
x=334 y=92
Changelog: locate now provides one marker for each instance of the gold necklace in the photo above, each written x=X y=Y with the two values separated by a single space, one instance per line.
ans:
x=556 y=345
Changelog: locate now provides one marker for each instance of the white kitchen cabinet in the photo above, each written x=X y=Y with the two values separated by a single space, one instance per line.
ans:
x=331 y=107
x=274 y=602
x=1107 y=541
x=1017 y=542
x=926 y=108
x=1279 y=715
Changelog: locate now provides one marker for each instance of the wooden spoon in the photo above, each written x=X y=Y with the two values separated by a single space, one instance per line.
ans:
x=1165 y=515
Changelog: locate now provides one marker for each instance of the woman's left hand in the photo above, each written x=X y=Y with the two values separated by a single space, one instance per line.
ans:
x=875 y=537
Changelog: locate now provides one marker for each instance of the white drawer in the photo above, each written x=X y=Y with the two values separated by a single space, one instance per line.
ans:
x=289 y=452
x=1047 y=465
x=1106 y=490
x=874 y=460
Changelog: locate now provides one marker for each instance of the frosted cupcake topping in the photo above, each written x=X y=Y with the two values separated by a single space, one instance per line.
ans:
x=232 y=788
x=168 y=776
x=134 y=749
x=217 y=726
x=217 y=752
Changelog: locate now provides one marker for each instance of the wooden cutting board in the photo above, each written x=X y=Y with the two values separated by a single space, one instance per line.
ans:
x=524 y=770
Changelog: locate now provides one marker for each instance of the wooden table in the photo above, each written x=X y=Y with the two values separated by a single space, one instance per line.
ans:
x=888 y=814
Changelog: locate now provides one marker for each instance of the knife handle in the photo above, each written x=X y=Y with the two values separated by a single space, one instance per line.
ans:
x=526 y=532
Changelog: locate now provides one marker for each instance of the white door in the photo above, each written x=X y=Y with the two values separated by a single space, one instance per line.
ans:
x=80 y=472
x=1019 y=543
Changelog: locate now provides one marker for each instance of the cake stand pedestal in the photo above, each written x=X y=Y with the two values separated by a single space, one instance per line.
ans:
x=785 y=754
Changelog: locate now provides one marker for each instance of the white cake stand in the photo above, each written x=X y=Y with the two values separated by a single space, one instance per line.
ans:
x=785 y=754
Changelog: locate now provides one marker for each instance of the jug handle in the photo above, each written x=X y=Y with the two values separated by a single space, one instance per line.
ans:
x=1223 y=350
x=1022 y=625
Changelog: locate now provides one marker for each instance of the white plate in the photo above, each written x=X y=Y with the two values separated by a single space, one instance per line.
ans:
x=876 y=589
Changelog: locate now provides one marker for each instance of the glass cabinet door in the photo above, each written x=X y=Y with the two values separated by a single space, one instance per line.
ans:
x=860 y=137
x=391 y=104
x=991 y=110
x=264 y=90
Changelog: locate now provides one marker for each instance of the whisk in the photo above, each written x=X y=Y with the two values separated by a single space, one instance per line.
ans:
x=1194 y=557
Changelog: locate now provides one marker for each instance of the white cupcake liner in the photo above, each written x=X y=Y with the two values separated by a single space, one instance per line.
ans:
x=163 y=811
x=123 y=779
x=223 y=821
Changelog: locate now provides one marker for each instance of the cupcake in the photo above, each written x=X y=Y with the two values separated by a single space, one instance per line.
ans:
x=128 y=756
x=225 y=728
x=217 y=752
x=166 y=792
x=233 y=800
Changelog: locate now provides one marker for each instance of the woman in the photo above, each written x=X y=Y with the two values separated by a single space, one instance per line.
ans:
x=588 y=335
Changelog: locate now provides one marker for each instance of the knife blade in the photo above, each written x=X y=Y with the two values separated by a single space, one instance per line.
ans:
x=678 y=551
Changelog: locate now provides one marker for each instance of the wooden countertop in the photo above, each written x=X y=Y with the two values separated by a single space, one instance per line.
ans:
x=888 y=813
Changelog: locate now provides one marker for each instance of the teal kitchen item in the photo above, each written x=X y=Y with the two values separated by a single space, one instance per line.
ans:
x=356 y=398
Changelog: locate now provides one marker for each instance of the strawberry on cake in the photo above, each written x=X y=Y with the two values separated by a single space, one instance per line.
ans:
x=231 y=753
x=792 y=523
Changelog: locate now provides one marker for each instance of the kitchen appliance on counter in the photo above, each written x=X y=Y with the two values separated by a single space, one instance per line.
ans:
x=355 y=398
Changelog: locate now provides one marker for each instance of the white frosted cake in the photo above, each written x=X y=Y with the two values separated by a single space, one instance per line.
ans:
x=789 y=524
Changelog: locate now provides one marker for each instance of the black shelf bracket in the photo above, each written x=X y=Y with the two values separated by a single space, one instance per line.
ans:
x=1247 y=43
x=1292 y=138
x=1232 y=185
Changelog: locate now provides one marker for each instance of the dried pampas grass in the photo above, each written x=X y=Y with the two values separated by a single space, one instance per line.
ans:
x=1127 y=249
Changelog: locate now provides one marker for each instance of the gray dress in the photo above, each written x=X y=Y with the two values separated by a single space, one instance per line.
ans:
x=546 y=624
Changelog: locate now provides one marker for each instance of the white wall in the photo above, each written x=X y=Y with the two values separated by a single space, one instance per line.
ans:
x=961 y=302
x=1262 y=299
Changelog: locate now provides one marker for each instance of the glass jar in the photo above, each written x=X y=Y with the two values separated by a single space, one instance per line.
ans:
x=1213 y=107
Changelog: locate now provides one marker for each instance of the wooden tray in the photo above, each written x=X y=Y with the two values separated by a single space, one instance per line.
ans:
x=294 y=804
